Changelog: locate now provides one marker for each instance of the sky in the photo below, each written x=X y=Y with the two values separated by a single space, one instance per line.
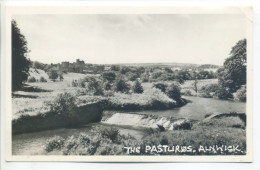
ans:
x=132 y=38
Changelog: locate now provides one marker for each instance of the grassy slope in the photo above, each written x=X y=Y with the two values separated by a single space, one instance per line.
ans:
x=215 y=131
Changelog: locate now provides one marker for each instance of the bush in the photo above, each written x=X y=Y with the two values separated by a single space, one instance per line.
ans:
x=74 y=83
x=240 y=95
x=54 y=143
x=187 y=93
x=53 y=75
x=161 y=86
x=223 y=94
x=81 y=83
x=110 y=133
x=95 y=86
x=144 y=77
x=121 y=86
x=173 y=91
x=31 y=79
x=209 y=88
x=185 y=125
x=109 y=76
x=137 y=87
x=42 y=79
x=65 y=105
x=107 y=86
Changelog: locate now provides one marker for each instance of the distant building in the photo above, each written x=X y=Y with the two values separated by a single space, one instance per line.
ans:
x=66 y=66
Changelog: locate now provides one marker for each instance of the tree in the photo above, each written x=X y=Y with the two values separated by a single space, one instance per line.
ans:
x=109 y=76
x=20 y=63
x=121 y=86
x=174 y=91
x=161 y=86
x=137 y=87
x=53 y=75
x=233 y=74
x=95 y=86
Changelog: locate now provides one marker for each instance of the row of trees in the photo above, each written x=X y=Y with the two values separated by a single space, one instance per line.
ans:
x=97 y=85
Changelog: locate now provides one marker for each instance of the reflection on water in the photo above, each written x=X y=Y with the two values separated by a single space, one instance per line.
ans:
x=33 y=143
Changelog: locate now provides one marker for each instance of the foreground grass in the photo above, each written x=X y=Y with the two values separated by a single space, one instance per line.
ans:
x=222 y=131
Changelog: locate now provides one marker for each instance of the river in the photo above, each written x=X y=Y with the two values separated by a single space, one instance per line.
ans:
x=33 y=143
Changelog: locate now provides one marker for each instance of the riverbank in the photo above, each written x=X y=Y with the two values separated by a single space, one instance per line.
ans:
x=89 y=113
x=218 y=130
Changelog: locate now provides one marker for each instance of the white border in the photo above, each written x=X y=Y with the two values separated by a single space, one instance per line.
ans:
x=125 y=158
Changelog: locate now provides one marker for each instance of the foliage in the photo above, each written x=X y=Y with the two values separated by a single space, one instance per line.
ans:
x=124 y=69
x=137 y=87
x=174 y=91
x=115 y=68
x=109 y=76
x=74 y=83
x=81 y=83
x=64 y=105
x=94 y=85
x=144 y=77
x=184 y=125
x=107 y=85
x=121 y=86
x=20 y=64
x=110 y=133
x=223 y=93
x=42 y=79
x=61 y=77
x=240 y=94
x=217 y=131
x=233 y=74
x=161 y=86
x=53 y=75
x=54 y=143
x=39 y=65
x=31 y=79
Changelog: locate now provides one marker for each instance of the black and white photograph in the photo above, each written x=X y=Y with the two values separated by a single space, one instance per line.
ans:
x=173 y=85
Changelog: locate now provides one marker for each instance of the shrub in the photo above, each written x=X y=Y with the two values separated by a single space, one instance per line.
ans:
x=74 y=83
x=209 y=90
x=223 y=93
x=121 y=86
x=81 y=83
x=185 y=125
x=161 y=128
x=109 y=76
x=42 y=79
x=54 y=143
x=53 y=75
x=173 y=91
x=161 y=86
x=110 y=133
x=145 y=77
x=95 y=86
x=187 y=93
x=240 y=95
x=107 y=86
x=137 y=87
x=65 y=105
x=31 y=79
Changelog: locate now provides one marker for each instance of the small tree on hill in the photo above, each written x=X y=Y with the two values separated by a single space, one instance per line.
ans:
x=137 y=87
x=53 y=75
x=121 y=86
